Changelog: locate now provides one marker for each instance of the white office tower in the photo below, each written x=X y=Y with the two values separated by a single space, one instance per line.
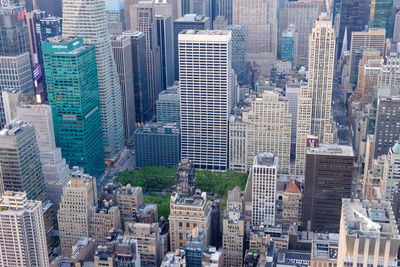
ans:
x=321 y=64
x=260 y=17
x=303 y=128
x=205 y=80
x=391 y=172
x=22 y=232
x=263 y=175
x=55 y=169
x=87 y=19
x=368 y=234
x=78 y=196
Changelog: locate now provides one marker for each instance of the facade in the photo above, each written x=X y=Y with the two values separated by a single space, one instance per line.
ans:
x=288 y=45
x=363 y=223
x=264 y=175
x=149 y=242
x=22 y=233
x=157 y=144
x=102 y=219
x=354 y=15
x=143 y=19
x=139 y=70
x=168 y=106
x=386 y=130
x=129 y=200
x=292 y=96
x=237 y=144
x=52 y=8
x=50 y=27
x=14 y=38
x=268 y=129
x=73 y=216
x=239 y=47
x=194 y=248
x=187 y=22
x=361 y=40
x=291 y=205
x=187 y=213
x=303 y=14
x=391 y=172
x=324 y=250
x=93 y=29
x=390 y=73
x=233 y=230
x=166 y=44
x=74 y=98
x=261 y=20
x=122 y=48
x=205 y=102
x=321 y=64
x=328 y=179
x=396 y=27
x=381 y=15
x=21 y=169
x=55 y=169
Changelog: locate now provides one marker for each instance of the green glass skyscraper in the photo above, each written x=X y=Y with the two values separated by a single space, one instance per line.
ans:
x=73 y=93
x=381 y=15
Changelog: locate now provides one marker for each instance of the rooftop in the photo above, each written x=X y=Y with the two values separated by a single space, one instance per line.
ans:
x=192 y=18
x=14 y=128
x=369 y=219
x=198 y=199
x=332 y=149
x=158 y=128
x=205 y=32
x=266 y=159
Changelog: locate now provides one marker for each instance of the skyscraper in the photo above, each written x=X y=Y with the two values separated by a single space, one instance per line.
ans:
x=166 y=44
x=224 y=8
x=328 y=179
x=239 y=47
x=261 y=19
x=21 y=169
x=354 y=15
x=55 y=168
x=143 y=19
x=381 y=15
x=122 y=48
x=205 y=96
x=168 y=106
x=73 y=216
x=194 y=248
x=302 y=15
x=321 y=64
x=143 y=109
x=50 y=27
x=391 y=172
x=72 y=86
x=22 y=231
x=92 y=27
x=51 y=7
x=263 y=174
x=387 y=130
x=188 y=22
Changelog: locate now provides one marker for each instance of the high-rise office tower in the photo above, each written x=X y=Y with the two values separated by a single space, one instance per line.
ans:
x=321 y=65
x=302 y=15
x=370 y=66
x=381 y=15
x=22 y=231
x=224 y=8
x=233 y=230
x=391 y=172
x=127 y=11
x=202 y=7
x=92 y=27
x=51 y=7
x=14 y=39
x=396 y=27
x=360 y=41
x=115 y=16
x=205 y=87
x=185 y=178
x=264 y=174
x=143 y=19
x=73 y=216
x=303 y=127
x=168 y=106
x=50 y=27
x=261 y=19
x=239 y=47
x=328 y=178
x=267 y=129
x=72 y=87
x=288 y=43
x=368 y=234
x=292 y=96
x=186 y=214
x=54 y=166
x=390 y=74
x=354 y=15
x=21 y=169
x=387 y=131
x=143 y=109
x=122 y=48
x=188 y=22
x=166 y=44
